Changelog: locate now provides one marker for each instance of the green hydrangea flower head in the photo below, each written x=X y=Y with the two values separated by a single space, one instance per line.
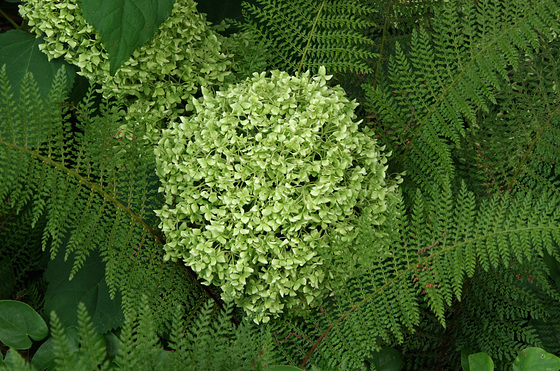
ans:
x=263 y=176
x=182 y=55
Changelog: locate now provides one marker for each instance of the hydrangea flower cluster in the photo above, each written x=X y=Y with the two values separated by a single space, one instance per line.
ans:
x=261 y=180
x=183 y=55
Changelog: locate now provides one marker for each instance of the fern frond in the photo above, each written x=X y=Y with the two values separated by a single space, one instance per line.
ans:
x=140 y=345
x=548 y=329
x=84 y=351
x=93 y=352
x=304 y=35
x=177 y=336
x=394 y=22
x=432 y=96
x=210 y=343
x=125 y=358
x=493 y=314
x=90 y=188
x=424 y=262
x=518 y=146
x=22 y=258
x=65 y=356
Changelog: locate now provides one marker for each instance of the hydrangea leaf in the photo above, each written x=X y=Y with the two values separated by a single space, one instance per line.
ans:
x=19 y=51
x=125 y=25
x=157 y=78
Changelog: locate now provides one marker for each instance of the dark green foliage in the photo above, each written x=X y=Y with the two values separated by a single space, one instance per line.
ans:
x=493 y=315
x=247 y=54
x=90 y=189
x=352 y=39
x=210 y=343
x=20 y=52
x=518 y=145
x=124 y=26
x=424 y=262
x=19 y=324
x=23 y=262
x=548 y=330
x=307 y=34
x=432 y=96
x=465 y=95
x=88 y=286
x=429 y=347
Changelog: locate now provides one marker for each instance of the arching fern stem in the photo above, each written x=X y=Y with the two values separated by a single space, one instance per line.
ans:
x=119 y=205
x=391 y=282
x=448 y=88
x=310 y=37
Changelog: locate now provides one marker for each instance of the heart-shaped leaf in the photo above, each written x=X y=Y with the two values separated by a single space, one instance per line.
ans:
x=124 y=25
x=18 y=323
x=12 y=361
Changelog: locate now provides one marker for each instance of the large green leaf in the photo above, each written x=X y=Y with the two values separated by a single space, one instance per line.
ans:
x=19 y=51
x=18 y=323
x=480 y=362
x=536 y=359
x=13 y=361
x=88 y=286
x=387 y=359
x=44 y=358
x=125 y=25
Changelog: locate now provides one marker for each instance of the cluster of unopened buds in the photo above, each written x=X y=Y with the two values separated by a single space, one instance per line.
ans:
x=519 y=277
x=529 y=277
x=421 y=268
x=430 y=285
